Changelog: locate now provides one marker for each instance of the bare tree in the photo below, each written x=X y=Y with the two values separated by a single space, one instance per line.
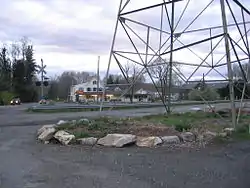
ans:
x=15 y=51
x=24 y=43
x=69 y=78
x=238 y=74
x=160 y=73
x=132 y=72
x=81 y=77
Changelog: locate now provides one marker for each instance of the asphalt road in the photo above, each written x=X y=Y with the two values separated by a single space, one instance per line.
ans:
x=27 y=164
x=16 y=116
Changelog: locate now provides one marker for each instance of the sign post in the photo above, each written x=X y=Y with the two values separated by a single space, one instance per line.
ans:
x=42 y=72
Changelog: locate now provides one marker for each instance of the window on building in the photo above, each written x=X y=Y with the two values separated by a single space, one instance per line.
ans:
x=94 y=89
x=88 y=89
x=100 y=89
x=94 y=82
x=81 y=89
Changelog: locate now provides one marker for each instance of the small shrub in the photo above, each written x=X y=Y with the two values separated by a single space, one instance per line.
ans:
x=81 y=123
x=81 y=134
x=96 y=126
x=66 y=126
x=181 y=127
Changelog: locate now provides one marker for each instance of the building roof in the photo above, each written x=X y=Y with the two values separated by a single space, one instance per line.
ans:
x=145 y=86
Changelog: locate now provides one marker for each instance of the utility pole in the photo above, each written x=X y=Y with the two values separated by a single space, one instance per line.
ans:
x=42 y=78
x=98 y=78
x=229 y=65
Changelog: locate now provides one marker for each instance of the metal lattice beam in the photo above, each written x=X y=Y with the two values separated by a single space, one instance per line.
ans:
x=168 y=47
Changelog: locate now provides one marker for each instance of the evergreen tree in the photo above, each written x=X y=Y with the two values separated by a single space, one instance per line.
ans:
x=53 y=90
x=110 y=79
x=5 y=70
x=30 y=65
x=24 y=71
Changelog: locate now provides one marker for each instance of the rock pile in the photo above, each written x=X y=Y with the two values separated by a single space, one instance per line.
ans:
x=49 y=133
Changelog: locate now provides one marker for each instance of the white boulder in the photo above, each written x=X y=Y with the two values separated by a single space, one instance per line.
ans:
x=117 y=140
x=61 y=122
x=229 y=131
x=223 y=134
x=208 y=135
x=170 y=140
x=64 y=137
x=46 y=134
x=187 y=137
x=87 y=141
x=148 y=141
x=43 y=128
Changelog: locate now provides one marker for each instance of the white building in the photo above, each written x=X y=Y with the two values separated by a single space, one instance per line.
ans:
x=89 y=90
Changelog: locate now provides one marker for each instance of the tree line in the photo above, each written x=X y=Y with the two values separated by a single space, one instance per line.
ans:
x=18 y=71
x=203 y=92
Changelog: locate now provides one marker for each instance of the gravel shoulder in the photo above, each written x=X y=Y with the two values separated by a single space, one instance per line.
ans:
x=25 y=163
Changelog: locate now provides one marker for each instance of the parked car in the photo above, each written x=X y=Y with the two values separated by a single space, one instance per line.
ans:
x=15 y=101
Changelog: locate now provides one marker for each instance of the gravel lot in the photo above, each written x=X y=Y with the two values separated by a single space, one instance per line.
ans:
x=27 y=164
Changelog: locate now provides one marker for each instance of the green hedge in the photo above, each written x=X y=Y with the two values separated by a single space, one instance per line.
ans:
x=6 y=97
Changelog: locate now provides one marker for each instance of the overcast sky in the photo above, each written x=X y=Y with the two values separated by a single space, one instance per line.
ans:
x=70 y=35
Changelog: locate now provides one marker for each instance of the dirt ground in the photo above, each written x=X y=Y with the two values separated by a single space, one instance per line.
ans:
x=27 y=164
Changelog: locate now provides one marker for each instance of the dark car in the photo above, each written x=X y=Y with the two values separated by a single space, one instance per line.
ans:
x=15 y=101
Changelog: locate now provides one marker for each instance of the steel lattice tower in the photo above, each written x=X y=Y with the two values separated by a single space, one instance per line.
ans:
x=162 y=41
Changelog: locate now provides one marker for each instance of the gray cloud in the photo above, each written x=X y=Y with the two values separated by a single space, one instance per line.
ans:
x=84 y=39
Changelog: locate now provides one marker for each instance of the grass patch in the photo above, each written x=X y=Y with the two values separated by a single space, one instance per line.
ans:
x=92 y=128
x=183 y=127
x=181 y=122
x=158 y=125
x=153 y=125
